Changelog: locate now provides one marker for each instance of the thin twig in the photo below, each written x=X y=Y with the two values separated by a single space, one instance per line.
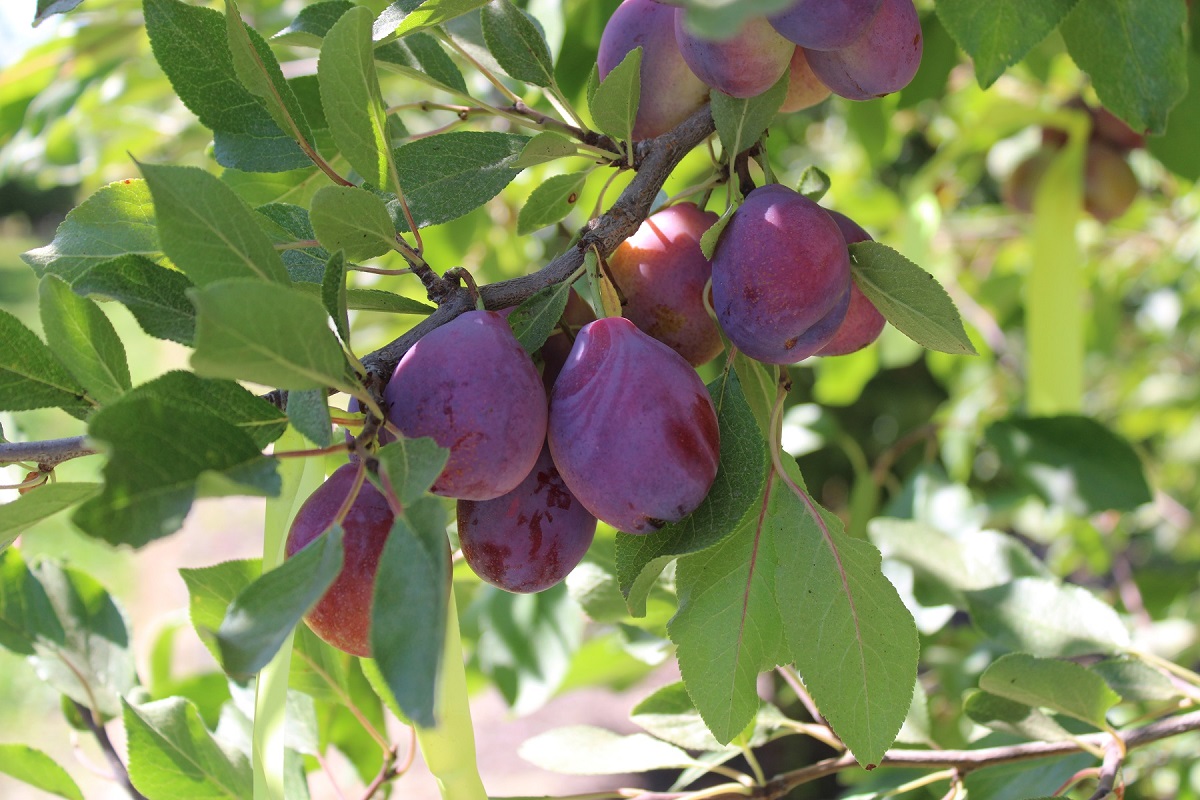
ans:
x=110 y=752
x=48 y=454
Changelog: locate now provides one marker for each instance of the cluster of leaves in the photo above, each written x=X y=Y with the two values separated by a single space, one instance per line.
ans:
x=762 y=576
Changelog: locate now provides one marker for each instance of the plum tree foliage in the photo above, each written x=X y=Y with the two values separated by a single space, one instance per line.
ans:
x=632 y=329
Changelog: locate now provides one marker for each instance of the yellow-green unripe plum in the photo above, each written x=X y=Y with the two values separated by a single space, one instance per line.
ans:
x=633 y=431
x=825 y=24
x=781 y=276
x=670 y=92
x=342 y=617
x=471 y=387
x=863 y=322
x=529 y=539
x=743 y=65
x=662 y=273
x=1109 y=185
x=805 y=89
x=880 y=61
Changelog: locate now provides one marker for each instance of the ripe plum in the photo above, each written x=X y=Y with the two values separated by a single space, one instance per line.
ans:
x=470 y=386
x=781 y=276
x=529 y=539
x=342 y=617
x=805 y=89
x=744 y=65
x=863 y=322
x=881 y=61
x=632 y=428
x=825 y=24
x=662 y=273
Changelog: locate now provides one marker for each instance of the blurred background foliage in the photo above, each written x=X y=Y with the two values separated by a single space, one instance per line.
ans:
x=891 y=430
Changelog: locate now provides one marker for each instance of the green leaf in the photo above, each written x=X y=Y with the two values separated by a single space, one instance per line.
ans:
x=354 y=220
x=72 y=629
x=411 y=466
x=308 y=411
x=1039 y=616
x=115 y=220
x=172 y=754
x=550 y=202
x=226 y=400
x=84 y=340
x=312 y=23
x=708 y=241
x=1136 y=681
x=547 y=146
x=740 y=122
x=813 y=183
x=1009 y=716
x=910 y=298
x=409 y=611
x=38 y=770
x=372 y=300
x=730 y=508
x=615 y=103
x=1175 y=148
x=162 y=455
x=263 y=332
x=424 y=56
x=1136 y=54
x=670 y=714
x=351 y=97
x=30 y=374
x=191 y=44
x=156 y=296
x=265 y=612
x=448 y=175
x=535 y=318
x=585 y=750
x=207 y=230
x=1061 y=686
x=48 y=8
x=30 y=509
x=848 y=632
x=259 y=71
x=211 y=590
x=517 y=43
x=319 y=670
x=401 y=18
x=998 y=34
x=1072 y=461
x=969 y=560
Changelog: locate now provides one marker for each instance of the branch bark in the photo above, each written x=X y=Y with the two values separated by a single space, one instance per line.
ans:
x=48 y=454
x=120 y=772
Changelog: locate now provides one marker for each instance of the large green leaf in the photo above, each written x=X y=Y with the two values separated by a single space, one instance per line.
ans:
x=741 y=121
x=910 y=298
x=350 y=95
x=172 y=754
x=424 y=56
x=354 y=220
x=848 y=632
x=999 y=33
x=1009 y=716
x=1061 y=686
x=1072 y=461
x=73 y=630
x=162 y=455
x=207 y=230
x=1136 y=54
x=82 y=337
x=313 y=22
x=267 y=333
x=1174 y=149
x=410 y=606
x=117 y=219
x=210 y=592
x=38 y=770
x=264 y=613
x=155 y=295
x=730 y=508
x=30 y=374
x=517 y=43
x=550 y=202
x=614 y=105
x=448 y=175
x=411 y=466
x=30 y=509
x=404 y=17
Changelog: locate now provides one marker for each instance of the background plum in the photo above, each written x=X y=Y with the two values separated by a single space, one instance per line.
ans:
x=881 y=61
x=470 y=386
x=670 y=91
x=632 y=428
x=529 y=539
x=1109 y=185
x=825 y=24
x=781 y=276
x=342 y=617
x=863 y=322
x=663 y=274
x=744 y=65
x=805 y=89
x=557 y=348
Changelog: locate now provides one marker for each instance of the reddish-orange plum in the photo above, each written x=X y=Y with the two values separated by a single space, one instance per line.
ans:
x=805 y=89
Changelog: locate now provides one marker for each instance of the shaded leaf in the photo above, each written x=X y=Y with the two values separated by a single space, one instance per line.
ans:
x=1061 y=686
x=351 y=219
x=156 y=296
x=545 y=147
x=308 y=411
x=998 y=34
x=517 y=43
x=30 y=374
x=82 y=337
x=741 y=121
x=535 y=318
x=1009 y=716
x=411 y=466
x=211 y=590
x=46 y=501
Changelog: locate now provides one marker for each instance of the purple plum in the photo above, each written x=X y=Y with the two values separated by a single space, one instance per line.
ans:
x=863 y=322
x=744 y=65
x=825 y=24
x=881 y=61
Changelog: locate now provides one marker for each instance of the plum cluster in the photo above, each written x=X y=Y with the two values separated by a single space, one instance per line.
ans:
x=1109 y=184
x=859 y=49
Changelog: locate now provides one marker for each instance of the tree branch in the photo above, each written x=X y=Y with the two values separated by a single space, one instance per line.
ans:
x=48 y=454
x=120 y=773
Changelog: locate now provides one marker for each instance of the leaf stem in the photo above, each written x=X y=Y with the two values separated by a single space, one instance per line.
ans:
x=120 y=772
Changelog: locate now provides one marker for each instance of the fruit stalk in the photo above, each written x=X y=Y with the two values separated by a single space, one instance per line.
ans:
x=449 y=747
